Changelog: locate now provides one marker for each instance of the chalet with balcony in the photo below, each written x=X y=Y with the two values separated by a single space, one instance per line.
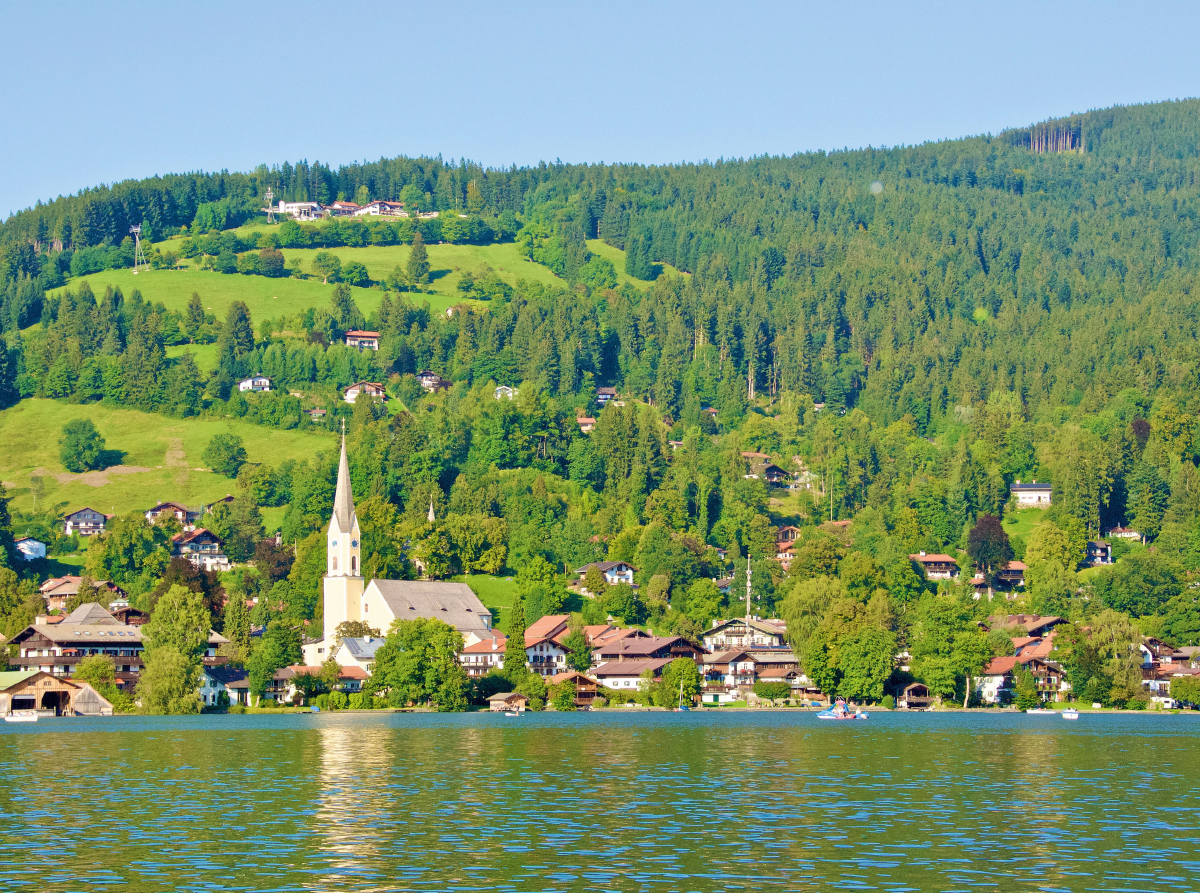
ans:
x=936 y=565
x=604 y=395
x=202 y=548
x=586 y=688
x=646 y=648
x=1098 y=552
x=382 y=209
x=432 y=382
x=615 y=572
x=482 y=657
x=372 y=389
x=84 y=522
x=752 y=634
x=362 y=339
x=172 y=510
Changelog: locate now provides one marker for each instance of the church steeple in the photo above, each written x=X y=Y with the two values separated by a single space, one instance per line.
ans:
x=343 y=498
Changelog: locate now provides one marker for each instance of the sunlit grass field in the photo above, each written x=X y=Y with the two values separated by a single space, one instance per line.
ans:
x=164 y=451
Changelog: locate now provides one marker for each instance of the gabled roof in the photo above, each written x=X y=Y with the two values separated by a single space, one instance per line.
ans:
x=641 y=646
x=763 y=626
x=1036 y=485
x=603 y=566
x=494 y=645
x=546 y=626
x=453 y=603
x=15 y=677
x=570 y=676
x=185 y=537
x=933 y=558
x=361 y=333
x=86 y=508
x=631 y=667
x=225 y=673
x=92 y=612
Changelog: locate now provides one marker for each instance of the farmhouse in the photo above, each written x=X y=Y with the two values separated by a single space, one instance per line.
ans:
x=362 y=339
x=742 y=633
x=432 y=382
x=614 y=571
x=58 y=591
x=165 y=511
x=381 y=209
x=504 y=391
x=1032 y=494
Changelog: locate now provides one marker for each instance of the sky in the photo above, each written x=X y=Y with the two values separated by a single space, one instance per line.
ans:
x=97 y=93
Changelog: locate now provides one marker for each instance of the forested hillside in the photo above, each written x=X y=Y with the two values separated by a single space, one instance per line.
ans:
x=967 y=313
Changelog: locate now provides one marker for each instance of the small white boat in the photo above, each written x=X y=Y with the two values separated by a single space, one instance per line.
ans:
x=1070 y=714
x=510 y=713
x=21 y=716
x=1040 y=711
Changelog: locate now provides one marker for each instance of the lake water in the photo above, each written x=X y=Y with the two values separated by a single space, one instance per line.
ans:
x=664 y=802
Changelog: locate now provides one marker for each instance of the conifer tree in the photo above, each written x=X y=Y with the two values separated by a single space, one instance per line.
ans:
x=418 y=261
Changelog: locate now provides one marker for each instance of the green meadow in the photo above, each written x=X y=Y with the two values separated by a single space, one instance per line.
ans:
x=496 y=593
x=160 y=457
x=617 y=256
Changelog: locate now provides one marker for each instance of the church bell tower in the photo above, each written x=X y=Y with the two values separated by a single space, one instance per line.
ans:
x=343 y=571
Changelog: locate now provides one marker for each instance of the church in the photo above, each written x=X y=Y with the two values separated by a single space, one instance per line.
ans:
x=380 y=602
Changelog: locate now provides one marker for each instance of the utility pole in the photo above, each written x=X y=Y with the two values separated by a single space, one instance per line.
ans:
x=749 y=571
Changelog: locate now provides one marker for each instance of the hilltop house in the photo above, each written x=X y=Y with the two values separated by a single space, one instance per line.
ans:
x=1031 y=494
x=381 y=209
x=432 y=382
x=371 y=389
x=58 y=591
x=739 y=632
x=504 y=391
x=167 y=510
x=256 y=383
x=300 y=210
x=362 y=339
x=84 y=522
x=603 y=395
x=343 y=209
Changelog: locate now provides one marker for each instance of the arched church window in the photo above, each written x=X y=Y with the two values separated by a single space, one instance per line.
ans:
x=353 y=564
x=335 y=562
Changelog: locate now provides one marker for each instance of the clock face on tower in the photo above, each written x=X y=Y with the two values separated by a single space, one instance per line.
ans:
x=353 y=544
x=335 y=544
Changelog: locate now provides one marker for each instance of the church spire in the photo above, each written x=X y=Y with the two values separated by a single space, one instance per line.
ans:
x=343 y=499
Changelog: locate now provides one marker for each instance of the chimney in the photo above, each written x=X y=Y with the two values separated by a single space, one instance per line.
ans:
x=40 y=620
x=922 y=554
x=1018 y=480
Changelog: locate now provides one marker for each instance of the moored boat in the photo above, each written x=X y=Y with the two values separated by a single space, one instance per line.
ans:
x=1070 y=714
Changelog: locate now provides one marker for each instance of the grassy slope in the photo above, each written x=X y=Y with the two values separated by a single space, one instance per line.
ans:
x=1023 y=522
x=496 y=593
x=617 y=256
x=29 y=432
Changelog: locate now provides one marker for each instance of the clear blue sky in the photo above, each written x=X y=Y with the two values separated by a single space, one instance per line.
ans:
x=95 y=93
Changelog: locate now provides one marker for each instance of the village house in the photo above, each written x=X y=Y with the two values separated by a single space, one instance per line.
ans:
x=202 y=548
x=84 y=522
x=168 y=510
x=1028 y=624
x=741 y=668
x=544 y=649
x=485 y=655
x=433 y=382
x=615 y=572
x=739 y=632
x=36 y=691
x=259 y=384
x=586 y=424
x=915 y=696
x=283 y=683
x=371 y=389
x=300 y=210
x=586 y=688
x=504 y=392
x=58 y=591
x=936 y=565
x=788 y=534
x=222 y=679
x=997 y=682
x=343 y=209
x=362 y=339
x=56 y=648
x=624 y=675
x=1124 y=533
x=603 y=395
x=316 y=414
x=30 y=549
x=381 y=208
x=1032 y=494
x=1098 y=552
x=359 y=651
x=645 y=648
x=227 y=499
x=508 y=702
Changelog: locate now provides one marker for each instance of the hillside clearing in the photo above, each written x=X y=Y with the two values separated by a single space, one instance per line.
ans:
x=160 y=461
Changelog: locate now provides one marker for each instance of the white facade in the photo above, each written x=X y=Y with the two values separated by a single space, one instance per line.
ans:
x=30 y=548
x=300 y=210
x=1033 y=494
x=257 y=383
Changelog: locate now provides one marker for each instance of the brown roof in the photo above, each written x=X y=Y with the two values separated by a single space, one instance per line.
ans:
x=640 y=646
x=569 y=676
x=488 y=646
x=546 y=626
x=361 y=333
x=934 y=558
x=631 y=667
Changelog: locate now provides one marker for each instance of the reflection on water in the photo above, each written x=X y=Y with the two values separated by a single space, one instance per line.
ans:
x=663 y=802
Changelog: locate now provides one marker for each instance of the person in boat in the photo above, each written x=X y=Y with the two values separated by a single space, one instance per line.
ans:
x=839 y=708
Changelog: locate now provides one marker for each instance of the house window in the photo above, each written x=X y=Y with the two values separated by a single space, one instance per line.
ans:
x=353 y=564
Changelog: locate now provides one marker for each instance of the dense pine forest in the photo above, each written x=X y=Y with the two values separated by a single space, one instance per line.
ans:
x=906 y=332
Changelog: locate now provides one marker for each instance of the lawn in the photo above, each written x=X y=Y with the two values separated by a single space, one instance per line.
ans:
x=265 y=297
x=496 y=593
x=204 y=354
x=1023 y=522
x=160 y=461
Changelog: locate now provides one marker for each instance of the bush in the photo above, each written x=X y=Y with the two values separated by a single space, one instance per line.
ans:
x=600 y=701
x=338 y=700
x=888 y=702
x=321 y=702
x=360 y=700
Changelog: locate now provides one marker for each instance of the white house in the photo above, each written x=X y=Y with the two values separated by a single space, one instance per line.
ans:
x=255 y=383
x=370 y=388
x=300 y=210
x=1032 y=493
x=202 y=548
x=358 y=651
x=1124 y=533
x=343 y=209
x=505 y=391
x=615 y=572
x=223 y=679
x=740 y=633
x=381 y=209
x=626 y=674
x=84 y=522
x=30 y=548
x=484 y=655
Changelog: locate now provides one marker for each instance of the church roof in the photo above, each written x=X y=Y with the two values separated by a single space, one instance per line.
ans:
x=343 y=499
x=453 y=603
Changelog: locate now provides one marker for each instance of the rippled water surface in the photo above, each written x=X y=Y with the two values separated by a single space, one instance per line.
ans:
x=664 y=802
